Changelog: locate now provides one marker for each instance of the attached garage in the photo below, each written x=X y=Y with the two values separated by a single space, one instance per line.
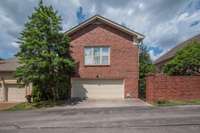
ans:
x=9 y=89
x=97 y=89
x=16 y=94
x=11 y=92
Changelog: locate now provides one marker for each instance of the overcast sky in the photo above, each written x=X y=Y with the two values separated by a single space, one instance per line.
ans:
x=165 y=23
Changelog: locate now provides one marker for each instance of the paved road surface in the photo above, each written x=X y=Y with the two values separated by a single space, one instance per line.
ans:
x=103 y=120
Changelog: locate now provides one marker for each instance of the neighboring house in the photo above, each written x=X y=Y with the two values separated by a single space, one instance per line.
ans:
x=160 y=62
x=12 y=93
x=106 y=55
x=7 y=68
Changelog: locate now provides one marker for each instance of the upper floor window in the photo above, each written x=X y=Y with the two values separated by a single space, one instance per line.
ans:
x=97 y=55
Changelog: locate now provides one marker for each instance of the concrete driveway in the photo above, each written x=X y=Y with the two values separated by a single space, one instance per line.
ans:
x=183 y=119
x=6 y=105
x=106 y=104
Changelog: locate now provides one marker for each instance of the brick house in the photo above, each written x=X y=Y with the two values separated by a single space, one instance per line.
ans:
x=161 y=61
x=106 y=55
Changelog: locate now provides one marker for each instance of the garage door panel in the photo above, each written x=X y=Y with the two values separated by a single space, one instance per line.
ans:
x=16 y=94
x=98 y=89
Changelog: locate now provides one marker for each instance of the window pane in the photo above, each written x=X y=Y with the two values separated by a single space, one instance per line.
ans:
x=105 y=51
x=105 y=55
x=88 y=56
x=105 y=60
x=96 y=55
x=87 y=51
x=88 y=60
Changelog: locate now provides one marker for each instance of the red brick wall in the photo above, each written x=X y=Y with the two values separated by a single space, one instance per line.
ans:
x=162 y=87
x=123 y=55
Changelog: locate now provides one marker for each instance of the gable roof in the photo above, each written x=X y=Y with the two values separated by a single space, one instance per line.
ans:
x=9 y=65
x=107 y=21
x=173 y=51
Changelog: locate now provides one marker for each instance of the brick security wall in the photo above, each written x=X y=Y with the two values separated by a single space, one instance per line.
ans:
x=123 y=55
x=162 y=87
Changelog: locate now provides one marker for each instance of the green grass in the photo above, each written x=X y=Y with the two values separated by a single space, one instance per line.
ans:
x=38 y=105
x=175 y=103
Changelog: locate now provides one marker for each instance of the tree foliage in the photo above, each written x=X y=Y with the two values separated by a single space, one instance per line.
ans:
x=45 y=55
x=186 y=61
x=145 y=66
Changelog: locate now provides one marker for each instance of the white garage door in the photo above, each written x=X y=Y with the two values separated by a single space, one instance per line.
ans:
x=97 y=89
x=16 y=94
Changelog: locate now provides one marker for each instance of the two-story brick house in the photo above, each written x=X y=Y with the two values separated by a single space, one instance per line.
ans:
x=106 y=55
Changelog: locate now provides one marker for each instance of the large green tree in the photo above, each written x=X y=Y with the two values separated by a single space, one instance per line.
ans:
x=146 y=67
x=45 y=55
x=186 y=61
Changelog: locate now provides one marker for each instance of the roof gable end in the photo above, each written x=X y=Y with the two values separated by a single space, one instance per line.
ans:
x=108 y=22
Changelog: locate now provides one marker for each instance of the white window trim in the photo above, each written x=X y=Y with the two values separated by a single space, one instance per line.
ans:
x=100 y=55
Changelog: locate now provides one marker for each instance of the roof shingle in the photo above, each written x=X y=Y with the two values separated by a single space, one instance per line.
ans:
x=9 y=64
